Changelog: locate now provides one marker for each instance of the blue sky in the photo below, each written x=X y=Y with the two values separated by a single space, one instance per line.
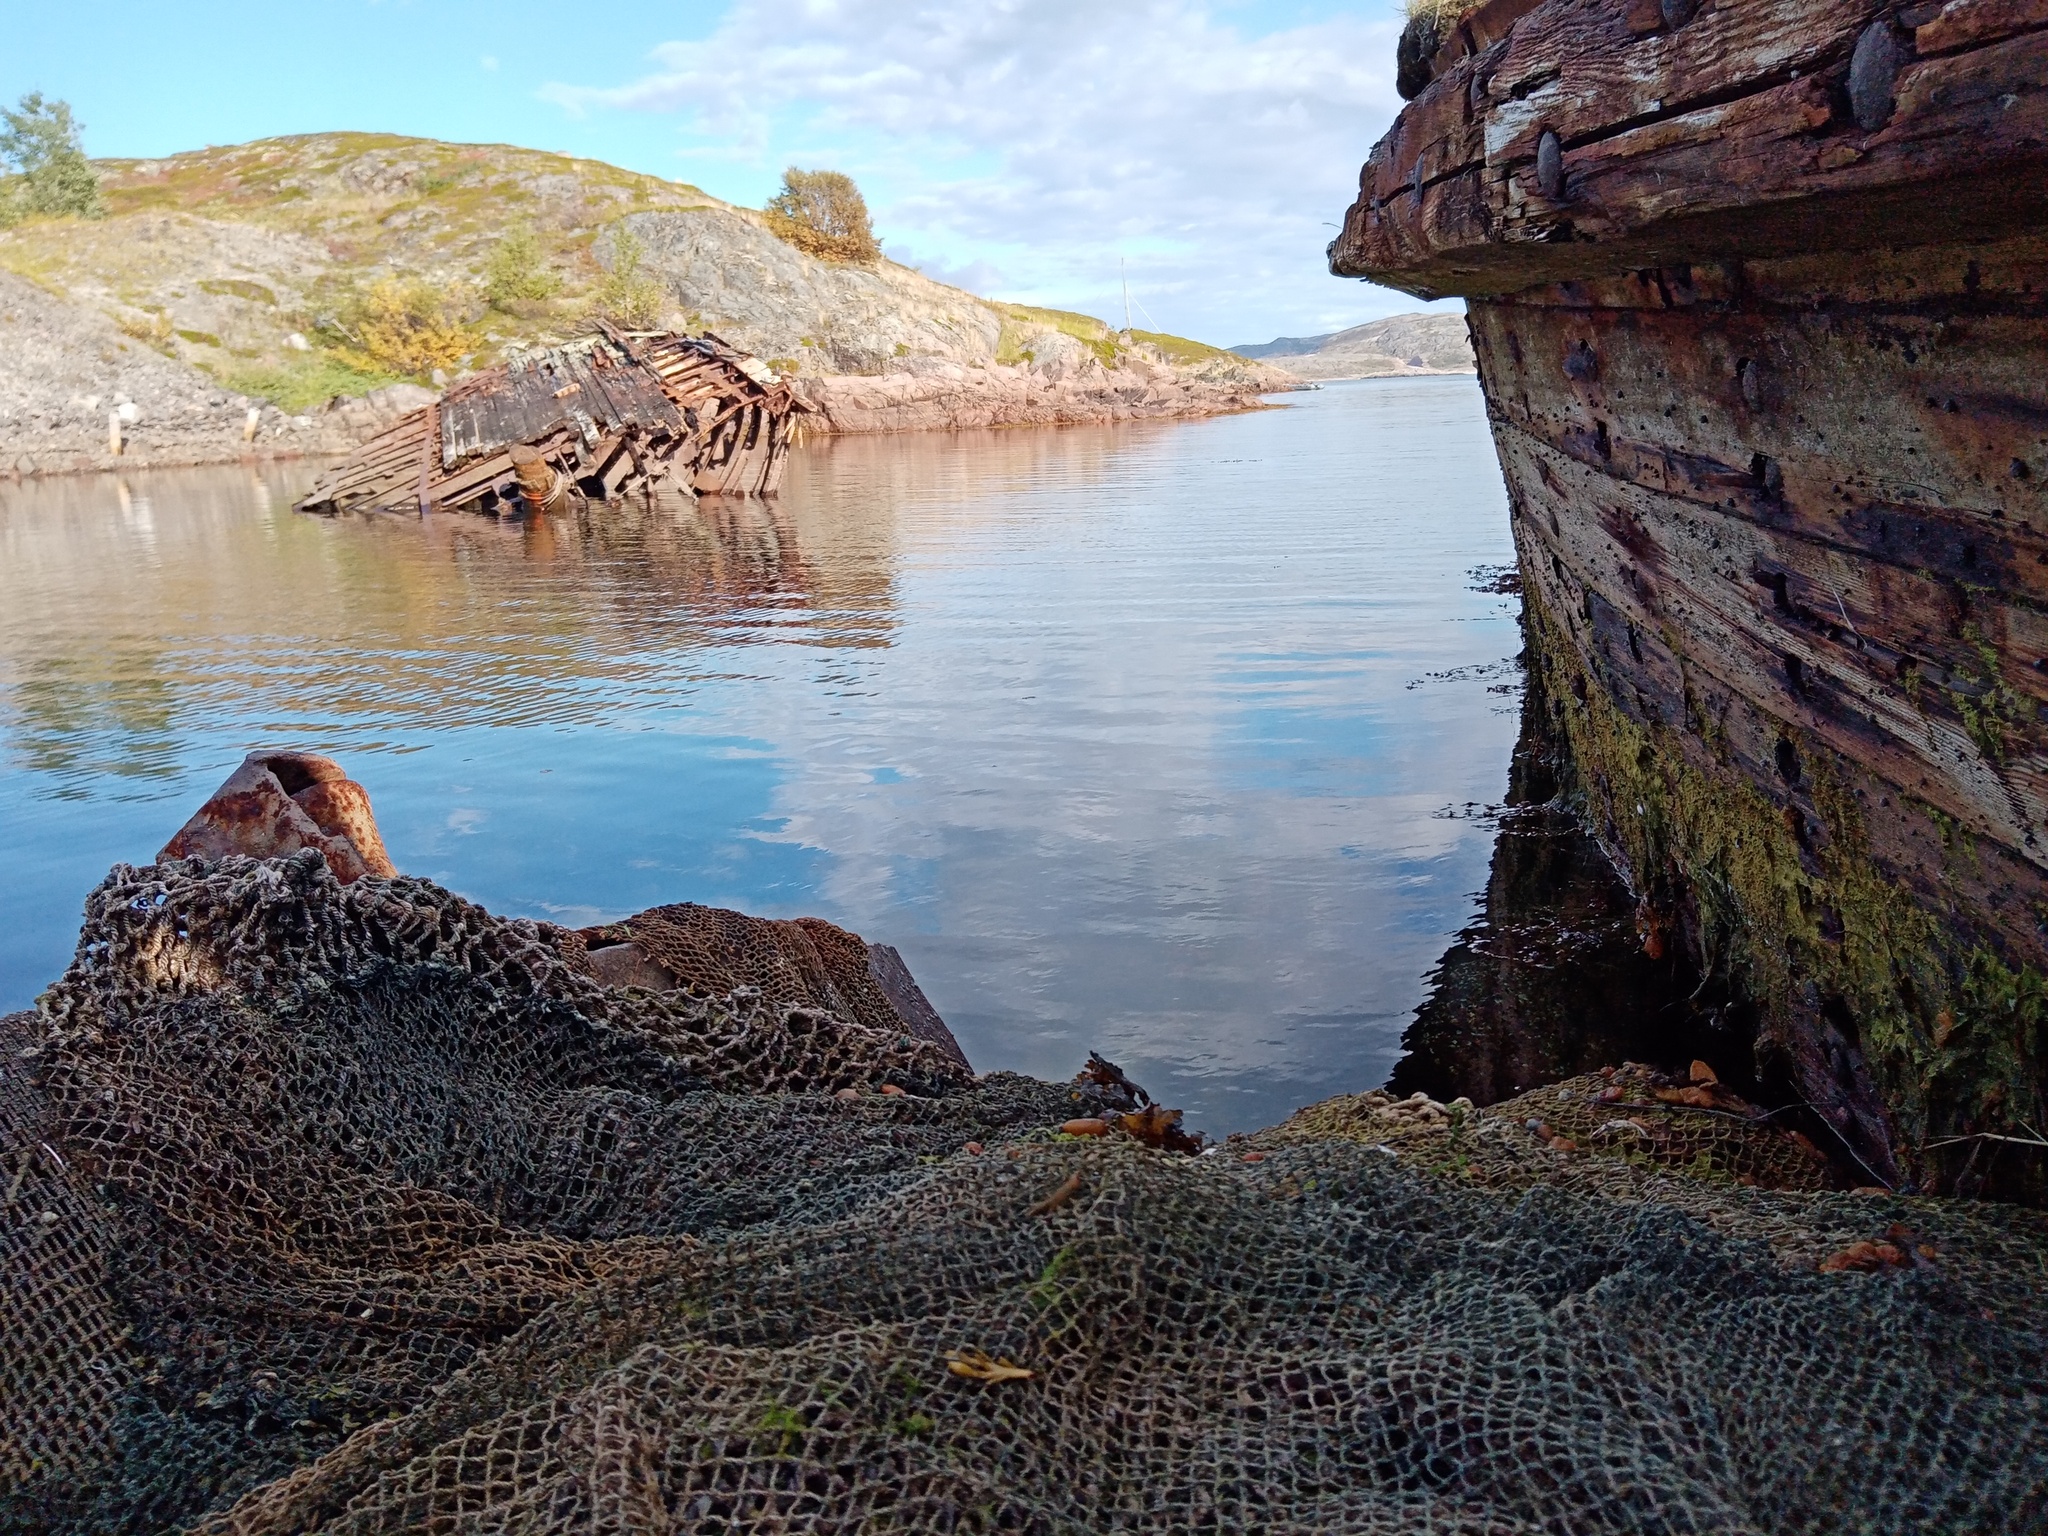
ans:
x=1022 y=148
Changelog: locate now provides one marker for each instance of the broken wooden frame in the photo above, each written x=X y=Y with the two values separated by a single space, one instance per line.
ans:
x=610 y=413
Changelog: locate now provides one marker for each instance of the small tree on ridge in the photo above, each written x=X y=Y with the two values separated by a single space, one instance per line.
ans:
x=823 y=213
x=40 y=142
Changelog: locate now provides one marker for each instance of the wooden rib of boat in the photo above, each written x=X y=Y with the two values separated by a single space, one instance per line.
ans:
x=610 y=413
x=1759 y=294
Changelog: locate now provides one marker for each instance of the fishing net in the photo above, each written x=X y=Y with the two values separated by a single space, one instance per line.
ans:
x=713 y=950
x=354 y=1208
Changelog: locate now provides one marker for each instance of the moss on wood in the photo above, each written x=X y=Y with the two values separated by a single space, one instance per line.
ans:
x=1802 y=920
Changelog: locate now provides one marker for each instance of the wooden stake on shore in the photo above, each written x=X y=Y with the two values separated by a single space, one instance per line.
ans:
x=249 y=423
x=114 y=432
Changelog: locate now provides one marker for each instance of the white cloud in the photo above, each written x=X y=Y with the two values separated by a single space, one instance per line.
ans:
x=1048 y=138
x=488 y=63
x=974 y=276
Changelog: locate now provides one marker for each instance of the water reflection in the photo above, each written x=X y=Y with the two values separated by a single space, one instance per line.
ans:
x=1128 y=737
x=1553 y=979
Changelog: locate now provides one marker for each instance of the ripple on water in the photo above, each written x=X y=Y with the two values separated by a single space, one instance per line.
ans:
x=1129 y=738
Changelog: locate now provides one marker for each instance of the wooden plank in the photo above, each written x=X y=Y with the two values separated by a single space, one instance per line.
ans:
x=1582 y=72
x=1774 y=414
x=1990 y=894
x=1972 y=23
x=1657 y=568
x=1973 y=119
x=1767 y=163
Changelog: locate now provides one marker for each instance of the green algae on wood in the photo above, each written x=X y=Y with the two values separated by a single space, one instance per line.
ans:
x=1809 y=925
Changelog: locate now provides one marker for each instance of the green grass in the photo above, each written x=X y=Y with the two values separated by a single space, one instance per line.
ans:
x=301 y=382
x=1096 y=334
x=1179 y=349
x=239 y=288
x=1086 y=329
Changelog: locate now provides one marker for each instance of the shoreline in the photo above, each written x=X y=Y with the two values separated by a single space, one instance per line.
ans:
x=847 y=418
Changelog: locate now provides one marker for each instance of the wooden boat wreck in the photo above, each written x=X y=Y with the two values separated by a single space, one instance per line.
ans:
x=607 y=414
x=1759 y=293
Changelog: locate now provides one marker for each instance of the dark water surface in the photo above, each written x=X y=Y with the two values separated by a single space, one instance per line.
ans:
x=1136 y=738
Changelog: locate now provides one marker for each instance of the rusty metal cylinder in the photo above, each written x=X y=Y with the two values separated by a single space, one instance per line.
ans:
x=541 y=486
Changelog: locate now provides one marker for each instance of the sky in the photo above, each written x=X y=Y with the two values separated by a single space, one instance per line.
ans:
x=1032 y=150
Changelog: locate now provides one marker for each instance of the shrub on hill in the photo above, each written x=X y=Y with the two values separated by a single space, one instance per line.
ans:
x=53 y=176
x=515 y=274
x=301 y=381
x=628 y=297
x=823 y=214
x=408 y=328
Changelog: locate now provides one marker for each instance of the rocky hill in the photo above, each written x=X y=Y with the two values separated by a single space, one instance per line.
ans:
x=255 y=273
x=1401 y=344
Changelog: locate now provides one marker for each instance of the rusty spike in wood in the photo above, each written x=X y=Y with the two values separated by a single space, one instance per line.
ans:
x=1550 y=166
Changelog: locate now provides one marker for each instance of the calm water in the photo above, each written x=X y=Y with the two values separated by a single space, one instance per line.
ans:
x=1133 y=738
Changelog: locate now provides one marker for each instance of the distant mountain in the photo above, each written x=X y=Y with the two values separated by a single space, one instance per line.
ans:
x=1400 y=344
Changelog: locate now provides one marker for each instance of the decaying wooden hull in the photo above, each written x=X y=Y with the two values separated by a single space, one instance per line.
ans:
x=1759 y=293
x=608 y=414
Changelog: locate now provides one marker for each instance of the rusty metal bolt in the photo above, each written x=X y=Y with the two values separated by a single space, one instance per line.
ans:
x=1550 y=166
x=1752 y=383
x=1873 y=71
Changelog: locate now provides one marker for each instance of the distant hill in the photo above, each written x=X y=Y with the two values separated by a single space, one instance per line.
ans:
x=1400 y=344
x=251 y=262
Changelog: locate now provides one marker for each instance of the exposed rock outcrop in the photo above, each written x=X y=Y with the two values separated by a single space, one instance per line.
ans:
x=886 y=349
x=70 y=369
x=722 y=268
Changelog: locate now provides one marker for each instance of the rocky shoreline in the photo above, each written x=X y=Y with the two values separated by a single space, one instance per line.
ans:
x=942 y=396
x=73 y=369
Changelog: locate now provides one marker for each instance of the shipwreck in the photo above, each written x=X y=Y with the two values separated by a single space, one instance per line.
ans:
x=606 y=415
x=1759 y=293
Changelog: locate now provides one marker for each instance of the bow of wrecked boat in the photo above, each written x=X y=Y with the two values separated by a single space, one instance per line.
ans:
x=1759 y=294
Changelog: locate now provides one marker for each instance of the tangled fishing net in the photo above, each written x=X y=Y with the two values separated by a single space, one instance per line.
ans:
x=356 y=1209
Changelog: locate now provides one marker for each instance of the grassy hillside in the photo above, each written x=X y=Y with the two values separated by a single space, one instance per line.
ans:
x=300 y=268
x=221 y=257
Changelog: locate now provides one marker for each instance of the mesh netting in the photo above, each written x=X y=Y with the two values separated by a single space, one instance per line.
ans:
x=712 y=950
x=367 y=1211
